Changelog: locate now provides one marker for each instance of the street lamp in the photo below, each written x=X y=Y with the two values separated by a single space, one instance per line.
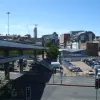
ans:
x=8 y=20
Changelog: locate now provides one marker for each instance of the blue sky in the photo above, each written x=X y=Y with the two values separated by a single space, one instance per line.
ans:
x=61 y=16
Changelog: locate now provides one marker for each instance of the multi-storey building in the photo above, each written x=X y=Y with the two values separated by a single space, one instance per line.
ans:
x=64 y=40
x=82 y=36
x=53 y=37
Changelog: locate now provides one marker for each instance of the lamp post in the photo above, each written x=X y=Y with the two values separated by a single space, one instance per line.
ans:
x=8 y=21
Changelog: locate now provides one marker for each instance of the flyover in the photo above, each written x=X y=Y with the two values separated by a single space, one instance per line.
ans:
x=6 y=47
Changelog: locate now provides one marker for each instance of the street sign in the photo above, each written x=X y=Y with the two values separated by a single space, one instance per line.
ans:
x=61 y=73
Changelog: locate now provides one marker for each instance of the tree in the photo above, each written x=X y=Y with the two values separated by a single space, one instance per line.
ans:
x=52 y=51
x=48 y=43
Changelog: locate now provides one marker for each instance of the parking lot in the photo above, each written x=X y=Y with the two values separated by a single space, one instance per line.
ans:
x=84 y=67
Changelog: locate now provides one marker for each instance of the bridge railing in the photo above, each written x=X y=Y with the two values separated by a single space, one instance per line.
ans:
x=79 y=58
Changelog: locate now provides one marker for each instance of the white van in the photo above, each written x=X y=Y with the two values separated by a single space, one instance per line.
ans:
x=56 y=65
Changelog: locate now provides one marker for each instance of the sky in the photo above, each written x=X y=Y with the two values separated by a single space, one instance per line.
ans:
x=59 y=16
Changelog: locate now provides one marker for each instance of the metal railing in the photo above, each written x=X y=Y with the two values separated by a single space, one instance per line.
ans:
x=79 y=58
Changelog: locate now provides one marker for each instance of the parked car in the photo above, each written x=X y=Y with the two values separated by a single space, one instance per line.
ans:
x=96 y=66
x=77 y=69
x=71 y=68
x=56 y=65
x=91 y=72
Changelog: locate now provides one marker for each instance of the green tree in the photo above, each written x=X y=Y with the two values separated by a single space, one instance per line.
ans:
x=48 y=43
x=52 y=51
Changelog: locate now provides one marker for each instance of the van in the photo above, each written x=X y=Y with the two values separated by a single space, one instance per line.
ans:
x=56 y=65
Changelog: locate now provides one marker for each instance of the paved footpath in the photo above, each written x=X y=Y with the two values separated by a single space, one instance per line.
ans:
x=75 y=80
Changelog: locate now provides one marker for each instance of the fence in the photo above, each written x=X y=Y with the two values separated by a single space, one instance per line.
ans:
x=79 y=58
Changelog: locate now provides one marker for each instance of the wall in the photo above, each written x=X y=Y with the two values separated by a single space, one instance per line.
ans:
x=67 y=37
x=92 y=49
x=75 y=45
x=61 y=38
x=82 y=45
x=64 y=38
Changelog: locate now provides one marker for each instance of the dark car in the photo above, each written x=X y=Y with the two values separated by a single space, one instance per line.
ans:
x=85 y=60
x=77 y=70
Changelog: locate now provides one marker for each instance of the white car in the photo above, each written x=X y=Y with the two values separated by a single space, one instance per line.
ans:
x=90 y=72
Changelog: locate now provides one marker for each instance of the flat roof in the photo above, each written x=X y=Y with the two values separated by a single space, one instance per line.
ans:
x=7 y=44
x=9 y=59
x=71 y=50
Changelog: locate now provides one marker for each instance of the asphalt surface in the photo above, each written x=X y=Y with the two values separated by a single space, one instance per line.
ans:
x=77 y=80
x=66 y=92
x=16 y=73
x=13 y=75
x=69 y=93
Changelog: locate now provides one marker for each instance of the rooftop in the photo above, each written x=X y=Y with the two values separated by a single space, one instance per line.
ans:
x=71 y=50
x=6 y=44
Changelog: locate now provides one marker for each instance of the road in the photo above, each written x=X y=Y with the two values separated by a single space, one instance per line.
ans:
x=13 y=75
x=69 y=93
x=74 y=80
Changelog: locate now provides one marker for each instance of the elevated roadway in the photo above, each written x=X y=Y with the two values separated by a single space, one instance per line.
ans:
x=8 y=46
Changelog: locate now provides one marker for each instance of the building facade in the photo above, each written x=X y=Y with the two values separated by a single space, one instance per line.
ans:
x=35 y=32
x=92 y=48
x=53 y=37
x=64 y=40
x=82 y=36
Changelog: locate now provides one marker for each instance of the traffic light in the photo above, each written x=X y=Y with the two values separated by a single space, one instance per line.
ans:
x=28 y=93
x=97 y=83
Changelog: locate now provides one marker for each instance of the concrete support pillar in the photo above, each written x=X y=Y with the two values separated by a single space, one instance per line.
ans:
x=42 y=54
x=42 y=46
x=6 y=69
x=21 y=65
x=13 y=66
x=35 y=58
x=21 y=61
x=6 y=65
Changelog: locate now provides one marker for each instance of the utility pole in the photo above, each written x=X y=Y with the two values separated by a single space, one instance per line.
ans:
x=8 y=23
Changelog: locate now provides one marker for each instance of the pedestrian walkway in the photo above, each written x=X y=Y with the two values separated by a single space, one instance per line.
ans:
x=78 y=80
